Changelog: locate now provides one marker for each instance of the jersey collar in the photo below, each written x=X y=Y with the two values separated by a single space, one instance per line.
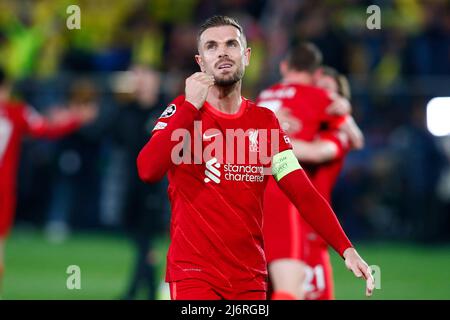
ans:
x=209 y=108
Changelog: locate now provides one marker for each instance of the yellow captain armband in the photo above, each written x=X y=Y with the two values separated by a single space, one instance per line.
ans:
x=284 y=163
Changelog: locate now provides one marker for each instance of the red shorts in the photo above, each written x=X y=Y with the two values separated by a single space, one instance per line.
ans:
x=318 y=283
x=197 y=289
x=7 y=210
x=288 y=236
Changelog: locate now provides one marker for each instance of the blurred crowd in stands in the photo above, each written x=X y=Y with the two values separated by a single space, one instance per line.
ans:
x=131 y=57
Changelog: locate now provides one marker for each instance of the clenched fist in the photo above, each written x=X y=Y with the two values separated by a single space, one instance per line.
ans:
x=197 y=87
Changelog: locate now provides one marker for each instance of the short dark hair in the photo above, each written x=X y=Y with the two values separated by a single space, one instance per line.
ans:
x=218 y=21
x=304 y=56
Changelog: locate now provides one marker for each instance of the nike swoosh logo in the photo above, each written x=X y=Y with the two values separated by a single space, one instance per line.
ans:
x=207 y=137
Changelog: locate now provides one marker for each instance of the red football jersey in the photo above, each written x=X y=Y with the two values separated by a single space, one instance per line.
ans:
x=217 y=205
x=307 y=104
x=16 y=121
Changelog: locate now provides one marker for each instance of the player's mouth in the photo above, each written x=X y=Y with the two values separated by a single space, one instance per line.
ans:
x=225 y=65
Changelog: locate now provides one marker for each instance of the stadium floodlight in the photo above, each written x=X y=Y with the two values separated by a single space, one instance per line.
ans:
x=438 y=116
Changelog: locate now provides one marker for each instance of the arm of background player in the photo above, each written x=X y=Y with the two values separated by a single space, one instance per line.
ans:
x=154 y=160
x=294 y=183
x=330 y=145
x=61 y=123
x=315 y=152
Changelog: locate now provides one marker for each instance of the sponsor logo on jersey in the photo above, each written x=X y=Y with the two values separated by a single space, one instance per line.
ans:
x=232 y=172
x=170 y=111
x=209 y=136
x=212 y=172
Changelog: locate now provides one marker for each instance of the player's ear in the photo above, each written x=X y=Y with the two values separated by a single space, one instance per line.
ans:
x=247 y=54
x=199 y=61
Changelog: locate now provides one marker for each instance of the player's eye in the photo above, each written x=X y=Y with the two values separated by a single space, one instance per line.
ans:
x=232 y=44
x=210 y=46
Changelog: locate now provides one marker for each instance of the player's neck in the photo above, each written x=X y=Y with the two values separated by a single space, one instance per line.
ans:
x=298 y=78
x=225 y=99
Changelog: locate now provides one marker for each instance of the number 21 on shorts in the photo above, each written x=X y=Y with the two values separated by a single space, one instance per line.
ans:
x=5 y=135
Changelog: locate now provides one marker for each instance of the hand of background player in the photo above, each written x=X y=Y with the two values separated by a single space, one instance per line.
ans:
x=197 y=86
x=59 y=114
x=359 y=267
x=340 y=106
x=354 y=134
x=86 y=112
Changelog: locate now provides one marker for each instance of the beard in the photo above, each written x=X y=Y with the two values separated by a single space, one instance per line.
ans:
x=229 y=80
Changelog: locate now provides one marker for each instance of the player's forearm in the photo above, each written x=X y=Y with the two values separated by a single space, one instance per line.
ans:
x=314 y=209
x=293 y=181
x=314 y=152
x=52 y=130
x=154 y=160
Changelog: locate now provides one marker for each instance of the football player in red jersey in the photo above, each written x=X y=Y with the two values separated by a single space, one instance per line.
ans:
x=327 y=152
x=303 y=108
x=16 y=121
x=217 y=249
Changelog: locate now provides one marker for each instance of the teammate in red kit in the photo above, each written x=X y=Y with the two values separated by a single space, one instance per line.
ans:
x=303 y=109
x=327 y=153
x=217 y=248
x=16 y=121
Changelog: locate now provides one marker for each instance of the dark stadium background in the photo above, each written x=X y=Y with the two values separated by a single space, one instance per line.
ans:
x=393 y=197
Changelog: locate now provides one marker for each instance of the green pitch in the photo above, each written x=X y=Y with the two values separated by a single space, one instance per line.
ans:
x=36 y=269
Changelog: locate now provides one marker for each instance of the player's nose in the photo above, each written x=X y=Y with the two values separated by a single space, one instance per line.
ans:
x=223 y=55
x=222 y=52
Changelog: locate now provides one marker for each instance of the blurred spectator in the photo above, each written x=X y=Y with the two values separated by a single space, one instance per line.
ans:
x=144 y=206
x=419 y=166
x=74 y=200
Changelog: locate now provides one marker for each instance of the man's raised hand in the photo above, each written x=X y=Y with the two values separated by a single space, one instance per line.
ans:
x=197 y=86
